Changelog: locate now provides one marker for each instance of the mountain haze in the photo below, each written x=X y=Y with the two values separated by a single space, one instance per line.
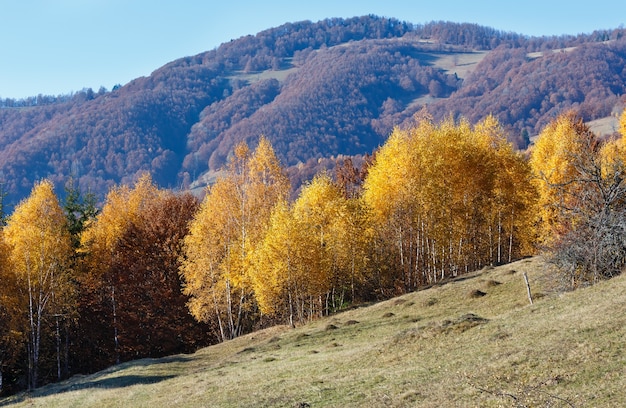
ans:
x=315 y=90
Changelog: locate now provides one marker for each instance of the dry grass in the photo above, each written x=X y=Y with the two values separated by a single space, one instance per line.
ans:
x=253 y=77
x=605 y=126
x=460 y=63
x=437 y=347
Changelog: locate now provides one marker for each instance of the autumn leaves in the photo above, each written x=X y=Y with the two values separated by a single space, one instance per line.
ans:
x=446 y=199
x=38 y=251
x=581 y=208
x=224 y=235
x=438 y=200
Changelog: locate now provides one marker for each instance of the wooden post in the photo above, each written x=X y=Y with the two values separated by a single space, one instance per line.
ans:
x=530 y=296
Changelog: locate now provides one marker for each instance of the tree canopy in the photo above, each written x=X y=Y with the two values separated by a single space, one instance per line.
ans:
x=155 y=272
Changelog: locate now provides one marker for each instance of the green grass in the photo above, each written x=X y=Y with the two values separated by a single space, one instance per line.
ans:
x=437 y=347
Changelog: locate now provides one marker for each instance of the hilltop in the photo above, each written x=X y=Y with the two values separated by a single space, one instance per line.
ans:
x=470 y=341
x=316 y=90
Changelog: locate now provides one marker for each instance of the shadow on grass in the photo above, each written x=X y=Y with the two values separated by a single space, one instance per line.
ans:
x=154 y=361
x=106 y=379
x=103 y=383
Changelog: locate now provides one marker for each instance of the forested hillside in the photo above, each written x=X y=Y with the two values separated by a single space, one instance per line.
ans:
x=526 y=90
x=152 y=272
x=315 y=90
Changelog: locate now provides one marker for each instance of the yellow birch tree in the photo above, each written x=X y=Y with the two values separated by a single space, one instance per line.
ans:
x=12 y=325
x=582 y=188
x=391 y=195
x=438 y=195
x=276 y=276
x=321 y=215
x=231 y=221
x=40 y=250
x=313 y=256
x=559 y=153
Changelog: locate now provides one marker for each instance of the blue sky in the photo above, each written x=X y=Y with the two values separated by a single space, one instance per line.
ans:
x=59 y=46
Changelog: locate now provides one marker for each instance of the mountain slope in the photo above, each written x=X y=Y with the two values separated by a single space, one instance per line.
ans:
x=316 y=90
x=444 y=346
x=326 y=107
x=527 y=90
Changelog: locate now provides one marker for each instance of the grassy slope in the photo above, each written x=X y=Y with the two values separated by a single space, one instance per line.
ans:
x=436 y=347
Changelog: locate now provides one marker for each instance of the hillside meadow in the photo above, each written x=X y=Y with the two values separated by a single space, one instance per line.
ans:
x=471 y=341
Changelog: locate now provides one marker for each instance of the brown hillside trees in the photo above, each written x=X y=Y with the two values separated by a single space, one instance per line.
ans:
x=99 y=324
x=152 y=315
x=131 y=303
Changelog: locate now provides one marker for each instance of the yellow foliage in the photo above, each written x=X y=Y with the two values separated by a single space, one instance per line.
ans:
x=556 y=158
x=268 y=185
x=9 y=299
x=320 y=212
x=39 y=243
x=12 y=306
x=391 y=173
x=312 y=253
x=613 y=157
x=39 y=248
x=444 y=197
x=622 y=125
x=206 y=246
x=276 y=261
x=122 y=206
x=229 y=225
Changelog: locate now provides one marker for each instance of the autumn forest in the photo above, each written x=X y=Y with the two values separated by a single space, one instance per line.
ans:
x=290 y=175
x=154 y=272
